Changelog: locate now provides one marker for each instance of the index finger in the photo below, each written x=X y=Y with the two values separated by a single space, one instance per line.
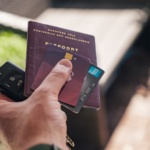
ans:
x=4 y=97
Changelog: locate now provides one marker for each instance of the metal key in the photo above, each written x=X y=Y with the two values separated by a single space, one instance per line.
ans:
x=70 y=142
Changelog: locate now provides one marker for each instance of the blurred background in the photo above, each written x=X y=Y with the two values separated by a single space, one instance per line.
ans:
x=122 y=34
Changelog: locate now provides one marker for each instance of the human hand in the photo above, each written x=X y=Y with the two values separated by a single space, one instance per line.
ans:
x=39 y=119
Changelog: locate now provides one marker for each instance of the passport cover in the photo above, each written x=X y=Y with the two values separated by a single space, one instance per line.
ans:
x=71 y=91
x=41 y=35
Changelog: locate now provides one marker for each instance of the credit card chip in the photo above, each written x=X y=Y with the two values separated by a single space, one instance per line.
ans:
x=68 y=56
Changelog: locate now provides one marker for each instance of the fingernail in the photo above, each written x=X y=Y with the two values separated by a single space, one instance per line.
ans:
x=65 y=62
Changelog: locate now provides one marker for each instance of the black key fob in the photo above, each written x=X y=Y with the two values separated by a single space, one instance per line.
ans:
x=12 y=81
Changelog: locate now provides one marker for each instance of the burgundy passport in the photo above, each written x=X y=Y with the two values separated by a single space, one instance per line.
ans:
x=40 y=36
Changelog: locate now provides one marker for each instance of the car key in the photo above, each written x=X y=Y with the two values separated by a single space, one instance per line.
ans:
x=12 y=81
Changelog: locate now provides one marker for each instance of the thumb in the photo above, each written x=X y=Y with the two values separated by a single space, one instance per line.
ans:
x=57 y=78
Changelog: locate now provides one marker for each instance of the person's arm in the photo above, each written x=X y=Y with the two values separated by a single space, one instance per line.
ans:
x=39 y=119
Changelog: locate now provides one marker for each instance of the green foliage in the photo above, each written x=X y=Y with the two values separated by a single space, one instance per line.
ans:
x=12 y=48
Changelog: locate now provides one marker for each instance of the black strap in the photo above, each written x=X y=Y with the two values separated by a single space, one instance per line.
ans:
x=44 y=147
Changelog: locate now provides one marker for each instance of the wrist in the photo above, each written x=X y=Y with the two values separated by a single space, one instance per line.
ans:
x=28 y=143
